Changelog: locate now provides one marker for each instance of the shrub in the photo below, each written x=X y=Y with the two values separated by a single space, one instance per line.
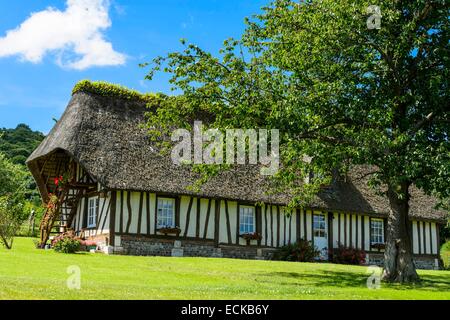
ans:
x=301 y=251
x=445 y=255
x=344 y=255
x=66 y=244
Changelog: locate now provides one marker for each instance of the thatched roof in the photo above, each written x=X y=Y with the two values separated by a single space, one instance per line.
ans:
x=103 y=135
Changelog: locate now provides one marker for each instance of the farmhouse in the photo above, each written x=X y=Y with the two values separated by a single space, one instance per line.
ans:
x=106 y=181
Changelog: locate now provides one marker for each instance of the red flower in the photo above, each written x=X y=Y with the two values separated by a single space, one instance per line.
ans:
x=56 y=180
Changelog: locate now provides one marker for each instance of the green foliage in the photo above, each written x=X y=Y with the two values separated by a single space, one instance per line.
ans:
x=445 y=255
x=17 y=199
x=66 y=244
x=301 y=251
x=106 y=89
x=344 y=255
x=11 y=218
x=338 y=92
x=12 y=176
x=17 y=144
x=444 y=231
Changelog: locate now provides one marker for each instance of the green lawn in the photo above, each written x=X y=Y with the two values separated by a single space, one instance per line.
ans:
x=28 y=273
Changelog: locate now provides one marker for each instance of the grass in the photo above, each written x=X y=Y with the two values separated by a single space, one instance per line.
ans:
x=28 y=273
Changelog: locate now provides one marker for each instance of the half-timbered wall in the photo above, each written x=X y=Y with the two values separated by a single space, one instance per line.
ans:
x=218 y=220
x=79 y=223
x=198 y=219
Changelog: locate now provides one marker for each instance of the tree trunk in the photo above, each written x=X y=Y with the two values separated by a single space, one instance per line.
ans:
x=398 y=257
x=6 y=243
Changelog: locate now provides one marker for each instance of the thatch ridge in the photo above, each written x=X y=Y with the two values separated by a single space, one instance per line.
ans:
x=106 y=89
x=104 y=135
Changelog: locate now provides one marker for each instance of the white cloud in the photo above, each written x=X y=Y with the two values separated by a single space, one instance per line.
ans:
x=73 y=36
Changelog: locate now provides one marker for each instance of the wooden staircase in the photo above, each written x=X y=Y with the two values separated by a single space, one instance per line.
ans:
x=50 y=217
x=58 y=220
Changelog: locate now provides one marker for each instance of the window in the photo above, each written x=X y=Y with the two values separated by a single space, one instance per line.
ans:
x=246 y=219
x=376 y=231
x=166 y=213
x=92 y=212
x=319 y=225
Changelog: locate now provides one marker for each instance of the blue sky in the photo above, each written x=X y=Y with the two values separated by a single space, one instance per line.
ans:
x=40 y=61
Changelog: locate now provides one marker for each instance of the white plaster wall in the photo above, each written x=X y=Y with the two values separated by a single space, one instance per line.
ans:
x=367 y=233
x=427 y=238
x=434 y=238
x=184 y=205
x=415 y=238
x=335 y=229
x=223 y=238
x=308 y=225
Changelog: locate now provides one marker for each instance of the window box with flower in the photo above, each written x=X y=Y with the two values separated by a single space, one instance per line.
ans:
x=251 y=236
x=378 y=246
x=166 y=230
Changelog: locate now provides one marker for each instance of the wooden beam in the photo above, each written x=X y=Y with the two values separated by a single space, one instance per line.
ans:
x=228 y=222
x=258 y=222
x=188 y=217
x=147 y=207
x=130 y=211
x=112 y=217
x=363 y=235
x=304 y=225
x=104 y=220
x=419 y=238
x=238 y=213
x=339 y=229
x=208 y=213
x=121 y=212
x=278 y=226
x=216 y=222
x=141 y=205
x=266 y=235
x=351 y=231
x=290 y=228
x=271 y=227
x=431 y=239
x=197 y=222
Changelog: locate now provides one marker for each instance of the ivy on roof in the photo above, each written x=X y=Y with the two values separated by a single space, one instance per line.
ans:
x=106 y=89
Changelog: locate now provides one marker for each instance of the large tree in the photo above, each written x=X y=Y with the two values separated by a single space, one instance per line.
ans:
x=341 y=90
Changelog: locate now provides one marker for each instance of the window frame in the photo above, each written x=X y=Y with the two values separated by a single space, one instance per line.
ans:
x=174 y=212
x=322 y=228
x=94 y=212
x=380 y=231
x=241 y=222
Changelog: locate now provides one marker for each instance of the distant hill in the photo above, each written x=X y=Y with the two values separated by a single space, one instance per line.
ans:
x=17 y=144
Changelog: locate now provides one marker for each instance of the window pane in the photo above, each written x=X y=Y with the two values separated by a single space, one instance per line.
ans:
x=92 y=212
x=246 y=220
x=166 y=213
x=377 y=231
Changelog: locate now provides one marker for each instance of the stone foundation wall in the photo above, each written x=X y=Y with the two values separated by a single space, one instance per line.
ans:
x=144 y=246
x=101 y=239
x=421 y=262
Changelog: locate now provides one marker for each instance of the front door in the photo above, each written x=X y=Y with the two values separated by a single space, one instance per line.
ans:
x=320 y=227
